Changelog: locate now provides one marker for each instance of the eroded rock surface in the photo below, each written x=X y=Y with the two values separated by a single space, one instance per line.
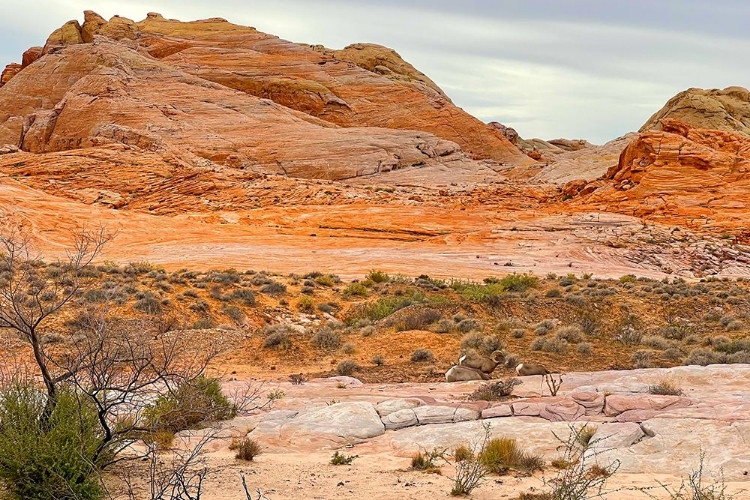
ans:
x=717 y=109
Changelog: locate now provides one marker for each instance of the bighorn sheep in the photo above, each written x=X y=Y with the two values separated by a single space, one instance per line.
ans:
x=525 y=369
x=482 y=363
x=464 y=374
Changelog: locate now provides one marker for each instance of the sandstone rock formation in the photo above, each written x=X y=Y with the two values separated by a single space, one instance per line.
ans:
x=727 y=110
x=160 y=85
x=360 y=86
x=538 y=149
x=695 y=177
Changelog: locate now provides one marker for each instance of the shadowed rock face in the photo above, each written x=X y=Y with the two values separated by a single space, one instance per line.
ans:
x=242 y=74
x=727 y=110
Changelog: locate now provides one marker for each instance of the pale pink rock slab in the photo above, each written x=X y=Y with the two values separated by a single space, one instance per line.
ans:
x=498 y=411
x=616 y=404
x=566 y=411
x=385 y=408
x=593 y=402
x=400 y=419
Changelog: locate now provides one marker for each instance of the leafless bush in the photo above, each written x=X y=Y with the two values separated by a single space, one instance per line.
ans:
x=495 y=391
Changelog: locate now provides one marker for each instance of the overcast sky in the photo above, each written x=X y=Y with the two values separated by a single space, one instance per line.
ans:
x=592 y=69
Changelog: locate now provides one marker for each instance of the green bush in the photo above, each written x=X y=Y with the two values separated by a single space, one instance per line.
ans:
x=386 y=306
x=341 y=459
x=378 y=276
x=193 y=402
x=52 y=461
x=518 y=282
x=355 y=290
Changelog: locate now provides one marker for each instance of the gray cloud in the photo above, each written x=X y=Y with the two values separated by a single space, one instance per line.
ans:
x=550 y=68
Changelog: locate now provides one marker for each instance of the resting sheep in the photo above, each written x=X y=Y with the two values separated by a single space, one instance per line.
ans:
x=525 y=369
x=482 y=363
x=464 y=374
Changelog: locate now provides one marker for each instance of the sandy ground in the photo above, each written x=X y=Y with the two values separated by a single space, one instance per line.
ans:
x=380 y=476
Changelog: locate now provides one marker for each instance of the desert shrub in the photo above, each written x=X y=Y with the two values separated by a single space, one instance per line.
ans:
x=571 y=334
x=628 y=278
x=735 y=325
x=378 y=360
x=553 y=293
x=204 y=324
x=585 y=348
x=656 y=342
x=478 y=293
x=367 y=331
x=235 y=314
x=495 y=391
x=349 y=349
x=470 y=471
x=726 y=320
x=642 y=359
x=306 y=304
x=418 y=320
x=378 y=276
x=247 y=449
x=260 y=279
x=568 y=280
x=444 y=325
x=355 y=290
x=557 y=346
x=582 y=475
x=341 y=459
x=518 y=282
x=518 y=333
x=739 y=357
x=51 y=461
x=666 y=386
x=703 y=357
x=502 y=454
x=226 y=277
x=695 y=487
x=385 y=306
x=347 y=368
x=95 y=295
x=216 y=292
x=427 y=460
x=676 y=331
x=200 y=306
x=467 y=325
x=461 y=453
x=326 y=338
x=277 y=340
x=672 y=354
x=544 y=327
x=490 y=344
x=731 y=346
x=274 y=288
x=195 y=401
x=244 y=295
x=422 y=356
x=629 y=335
x=329 y=307
x=327 y=280
x=472 y=341
x=148 y=303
